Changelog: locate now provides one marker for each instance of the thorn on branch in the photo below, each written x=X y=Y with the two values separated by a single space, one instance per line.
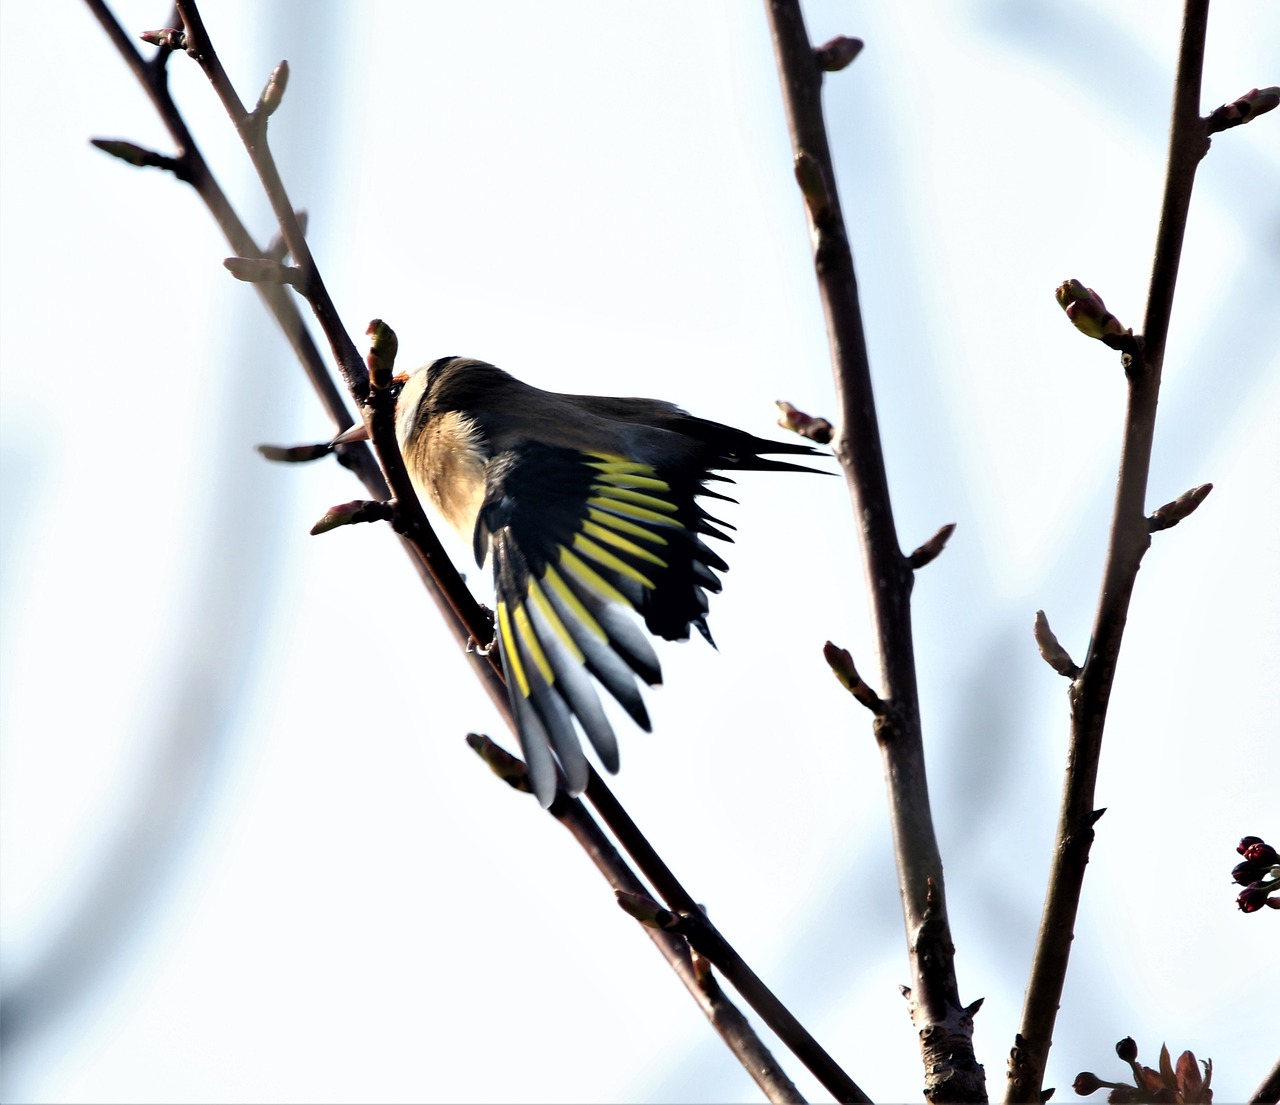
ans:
x=295 y=454
x=1096 y=816
x=815 y=429
x=843 y=669
x=272 y=95
x=138 y=156
x=1054 y=654
x=931 y=549
x=349 y=514
x=1089 y=315
x=381 y=358
x=510 y=769
x=168 y=38
x=1255 y=102
x=1169 y=515
x=263 y=270
x=814 y=187
x=838 y=53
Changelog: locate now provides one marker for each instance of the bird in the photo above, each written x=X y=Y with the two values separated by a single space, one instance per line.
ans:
x=587 y=509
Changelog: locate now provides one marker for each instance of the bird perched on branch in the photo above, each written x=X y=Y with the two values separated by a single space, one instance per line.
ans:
x=587 y=508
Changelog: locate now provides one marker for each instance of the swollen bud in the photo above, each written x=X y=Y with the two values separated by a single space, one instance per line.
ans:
x=815 y=429
x=381 y=358
x=273 y=94
x=842 y=667
x=1051 y=651
x=1171 y=514
x=1252 y=898
x=1257 y=101
x=133 y=154
x=1260 y=852
x=510 y=769
x=813 y=186
x=170 y=38
x=263 y=270
x=838 y=53
x=1087 y=1082
x=1089 y=315
x=349 y=514
x=645 y=910
x=295 y=454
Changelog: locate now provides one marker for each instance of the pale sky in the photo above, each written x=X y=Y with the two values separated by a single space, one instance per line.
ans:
x=324 y=896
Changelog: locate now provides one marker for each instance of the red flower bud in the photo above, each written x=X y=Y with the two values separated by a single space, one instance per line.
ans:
x=1252 y=898
x=1245 y=873
x=1261 y=853
x=1086 y=1083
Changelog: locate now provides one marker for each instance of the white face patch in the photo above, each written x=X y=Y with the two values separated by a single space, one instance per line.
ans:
x=408 y=405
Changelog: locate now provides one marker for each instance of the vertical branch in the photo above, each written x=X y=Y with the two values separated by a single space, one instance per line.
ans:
x=945 y=1027
x=1130 y=538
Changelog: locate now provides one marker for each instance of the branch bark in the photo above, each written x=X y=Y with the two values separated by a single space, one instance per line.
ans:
x=952 y=1072
x=1268 y=1093
x=1130 y=538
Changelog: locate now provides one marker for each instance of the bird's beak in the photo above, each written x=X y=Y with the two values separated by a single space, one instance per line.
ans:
x=358 y=432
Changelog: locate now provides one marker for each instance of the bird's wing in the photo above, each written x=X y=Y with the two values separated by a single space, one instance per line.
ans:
x=580 y=542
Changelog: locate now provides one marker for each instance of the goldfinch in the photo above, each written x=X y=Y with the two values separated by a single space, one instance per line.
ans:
x=586 y=506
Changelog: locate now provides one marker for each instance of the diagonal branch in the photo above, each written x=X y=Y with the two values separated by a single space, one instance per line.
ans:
x=1130 y=538
x=945 y=1026
x=1268 y=1093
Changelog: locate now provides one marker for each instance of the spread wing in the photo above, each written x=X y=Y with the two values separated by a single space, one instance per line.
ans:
x=582 y=542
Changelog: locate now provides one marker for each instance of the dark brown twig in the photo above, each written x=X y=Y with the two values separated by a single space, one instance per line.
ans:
x=952 y=1072
x=724 y=1016
x=251 y=126
x=1129 y=540
x=706 y=940
x=190 y=167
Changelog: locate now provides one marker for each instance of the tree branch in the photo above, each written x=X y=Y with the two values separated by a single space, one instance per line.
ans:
x=1130 y=538
x=1269 y=1092
x=952 y=1073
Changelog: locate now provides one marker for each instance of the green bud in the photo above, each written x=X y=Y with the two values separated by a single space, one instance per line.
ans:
x=381 y=358
x=1089 y=315
x=273 y=94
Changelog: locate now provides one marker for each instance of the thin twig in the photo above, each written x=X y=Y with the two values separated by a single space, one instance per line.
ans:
x=1129 y=540
x=705 y=939
x=945 y=1027
x=252 y=129
x=191 y=167
x=724 y=1016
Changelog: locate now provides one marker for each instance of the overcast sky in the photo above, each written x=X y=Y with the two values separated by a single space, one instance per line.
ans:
x=312 y=889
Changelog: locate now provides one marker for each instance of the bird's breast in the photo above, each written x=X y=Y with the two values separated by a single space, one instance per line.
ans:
x=446 y=461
